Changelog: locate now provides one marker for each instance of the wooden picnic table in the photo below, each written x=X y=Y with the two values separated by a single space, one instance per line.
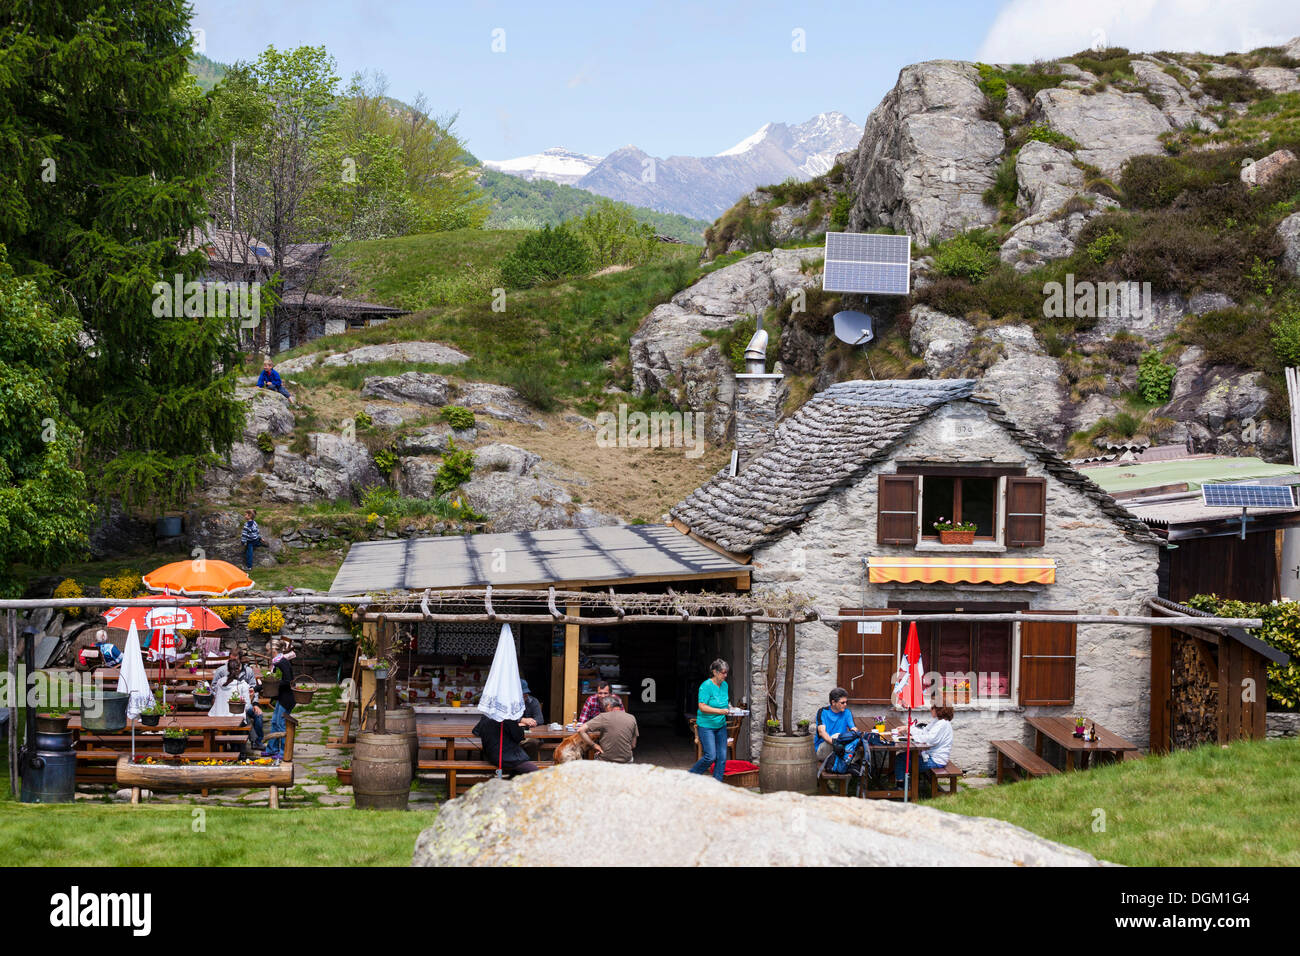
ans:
x=1060 y=730
x=209 y=728
x=464 y=733
x=180 y=674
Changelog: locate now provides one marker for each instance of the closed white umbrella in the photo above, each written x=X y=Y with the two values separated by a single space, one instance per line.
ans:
x=503 y=695
x=133 y=680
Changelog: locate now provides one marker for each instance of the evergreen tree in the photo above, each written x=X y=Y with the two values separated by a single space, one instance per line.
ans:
x=43 y=508
x=106 y=146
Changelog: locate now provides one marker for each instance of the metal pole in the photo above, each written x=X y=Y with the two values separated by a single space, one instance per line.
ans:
x=11 y=666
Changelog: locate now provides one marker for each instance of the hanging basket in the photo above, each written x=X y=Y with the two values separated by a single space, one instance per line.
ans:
x=302 y=694
x=150 y=720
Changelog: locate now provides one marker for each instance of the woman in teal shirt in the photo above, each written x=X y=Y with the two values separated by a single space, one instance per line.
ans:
x=711 y=721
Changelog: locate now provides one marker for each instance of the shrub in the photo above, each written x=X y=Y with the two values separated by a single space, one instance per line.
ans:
x=125 y=584
x=1150 y=182
x=471 y=283
x=1233 y=89
x=1281 y=629
x=793 y=191
x=840 y=212
x=1005 y=185
x=68 y=588
x=457 y=467
x=614 y=237
x=1155 y=378
x=1105 y=245
x=458 y=417
x=385 y=460
x=229 y=613
x=533 y=386
x=266 y=620
x=265 y=443
x=1285 y=338
x=362 y=420
x=550 y=253
x=1045 y=134
x=969 y=255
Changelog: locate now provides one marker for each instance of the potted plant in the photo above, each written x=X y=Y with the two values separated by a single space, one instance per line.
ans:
x=303 y=691
x=151 y=714
x=271 y=684
x=955 y=532
x=774 y=726
x=344 y=772
x=381 y=668
x=203 y=696
x=453 y=698
x=237 y=706
x=175 y=740
x=804 y=726
x=1078 y=726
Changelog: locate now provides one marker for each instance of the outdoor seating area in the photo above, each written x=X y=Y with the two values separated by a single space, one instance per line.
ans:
x=1077 y=744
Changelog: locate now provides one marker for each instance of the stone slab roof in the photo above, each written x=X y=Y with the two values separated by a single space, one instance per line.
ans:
x=834 y=441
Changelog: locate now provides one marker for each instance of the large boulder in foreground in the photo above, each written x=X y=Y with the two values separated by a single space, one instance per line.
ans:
x=641 y=814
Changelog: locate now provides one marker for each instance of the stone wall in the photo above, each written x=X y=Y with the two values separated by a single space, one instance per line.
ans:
x=758 y=407
x=1278 y=725
x=1099 y=570
x=321 y=637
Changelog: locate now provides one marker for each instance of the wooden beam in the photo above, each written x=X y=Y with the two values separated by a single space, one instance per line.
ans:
x=572 y=637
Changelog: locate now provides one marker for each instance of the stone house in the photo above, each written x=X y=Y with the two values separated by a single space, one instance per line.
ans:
x=837 y=504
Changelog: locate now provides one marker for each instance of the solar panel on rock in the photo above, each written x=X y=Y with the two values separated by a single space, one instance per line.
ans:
x=1240 y=495
x=867 y=264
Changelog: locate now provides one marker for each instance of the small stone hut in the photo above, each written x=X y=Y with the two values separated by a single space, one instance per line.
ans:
x=839 y=503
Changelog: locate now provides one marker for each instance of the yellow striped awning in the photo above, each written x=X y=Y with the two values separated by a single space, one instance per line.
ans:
x=951 y=570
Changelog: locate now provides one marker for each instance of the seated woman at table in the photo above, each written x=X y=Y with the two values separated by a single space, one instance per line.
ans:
x=502 y=743
x=937 y=736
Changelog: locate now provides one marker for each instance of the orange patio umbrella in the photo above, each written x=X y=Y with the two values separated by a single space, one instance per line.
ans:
x=198 y=578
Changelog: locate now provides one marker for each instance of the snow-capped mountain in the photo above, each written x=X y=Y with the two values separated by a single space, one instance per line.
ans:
x=698 y=186
x=557 y=164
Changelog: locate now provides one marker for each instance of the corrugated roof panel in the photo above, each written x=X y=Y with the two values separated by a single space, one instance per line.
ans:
x=617 y=553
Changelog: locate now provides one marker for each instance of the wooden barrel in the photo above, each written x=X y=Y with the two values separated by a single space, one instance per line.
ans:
x=401 y=721
x=788 y=763
x=381 y=772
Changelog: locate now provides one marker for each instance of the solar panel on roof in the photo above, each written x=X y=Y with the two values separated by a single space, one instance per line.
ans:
x=867 y=263
x=1245 y=495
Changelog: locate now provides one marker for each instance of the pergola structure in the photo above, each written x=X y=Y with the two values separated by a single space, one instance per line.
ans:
x=574 y=609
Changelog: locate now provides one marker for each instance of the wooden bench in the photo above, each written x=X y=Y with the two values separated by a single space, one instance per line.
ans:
x=950 y=773
x=1023 y=761
x=180 y=776
x=480 y=770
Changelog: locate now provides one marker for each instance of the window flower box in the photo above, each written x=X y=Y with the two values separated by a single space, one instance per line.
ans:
x=956 y=537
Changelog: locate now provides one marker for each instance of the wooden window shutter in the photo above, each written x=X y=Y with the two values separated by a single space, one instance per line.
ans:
x=867 y=662
x=896 y=514
x=1047 y=661
x=1026 y=512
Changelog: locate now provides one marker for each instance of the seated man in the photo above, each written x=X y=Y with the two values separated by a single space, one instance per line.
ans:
x=500 y=742
x=831 y=722
x=618 y=732
x=592 y=707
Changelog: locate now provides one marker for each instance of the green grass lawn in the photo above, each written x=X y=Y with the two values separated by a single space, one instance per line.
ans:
x=1212 y=806
x=182 y=835
x=388 y=268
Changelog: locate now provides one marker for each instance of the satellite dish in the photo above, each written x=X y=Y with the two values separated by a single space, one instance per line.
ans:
x=855 y=328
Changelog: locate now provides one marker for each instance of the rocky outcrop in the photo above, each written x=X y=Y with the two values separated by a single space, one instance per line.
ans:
x=530 y=502
x=1264 y=171
x=497 y=401
x=1109 y=126
x=333 y=468
x=669 y=352
x=1288 y=231
x=266 y=411
x=1181 y=104
x=1276 y=79
x=926 y=155
x=1220 y=410
x=435 y=439
x=567 y=814
x=429 y=353
x=417 y=388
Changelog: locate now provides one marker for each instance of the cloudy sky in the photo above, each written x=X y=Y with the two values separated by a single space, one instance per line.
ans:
x=693 y=79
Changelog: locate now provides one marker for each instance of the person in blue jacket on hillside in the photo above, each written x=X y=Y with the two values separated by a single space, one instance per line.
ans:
x=270 y=378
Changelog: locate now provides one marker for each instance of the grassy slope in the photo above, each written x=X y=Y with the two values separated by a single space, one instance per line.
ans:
x=1212 y=806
